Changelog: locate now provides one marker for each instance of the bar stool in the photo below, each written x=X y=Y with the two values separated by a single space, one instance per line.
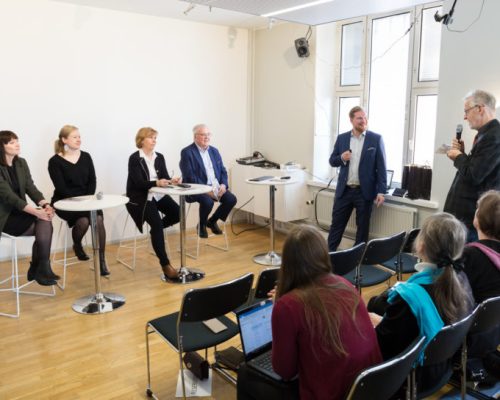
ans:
x=224 y=247
x=138 y=242
x=15 y=287
x=65 y=261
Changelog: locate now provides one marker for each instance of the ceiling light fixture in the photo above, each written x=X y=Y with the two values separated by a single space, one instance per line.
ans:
x=189 y=9
x=290 y=9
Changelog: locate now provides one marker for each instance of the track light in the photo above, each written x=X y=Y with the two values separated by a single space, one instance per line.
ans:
x=189 y=9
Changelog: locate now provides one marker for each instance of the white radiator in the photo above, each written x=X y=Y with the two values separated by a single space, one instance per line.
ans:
x=386 y=220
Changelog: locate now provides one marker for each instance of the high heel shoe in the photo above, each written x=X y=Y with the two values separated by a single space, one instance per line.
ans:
x=102 y=264
x=170 y=272
x=79 y=252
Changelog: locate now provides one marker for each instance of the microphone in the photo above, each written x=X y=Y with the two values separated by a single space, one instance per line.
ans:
x=458 y=131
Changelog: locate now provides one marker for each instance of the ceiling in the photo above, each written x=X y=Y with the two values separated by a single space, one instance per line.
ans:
x=246 y=13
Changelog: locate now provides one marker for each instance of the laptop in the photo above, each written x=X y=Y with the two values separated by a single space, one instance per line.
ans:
x=254 y=323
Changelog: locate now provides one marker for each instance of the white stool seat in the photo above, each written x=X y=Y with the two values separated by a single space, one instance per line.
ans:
x=14 y=278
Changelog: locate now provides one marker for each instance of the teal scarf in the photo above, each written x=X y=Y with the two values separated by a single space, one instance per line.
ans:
x=420 y=303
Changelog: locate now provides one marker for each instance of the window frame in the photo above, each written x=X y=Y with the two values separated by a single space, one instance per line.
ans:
x=414 y=86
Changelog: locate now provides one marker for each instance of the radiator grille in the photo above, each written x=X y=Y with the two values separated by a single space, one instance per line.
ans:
x=386 y=220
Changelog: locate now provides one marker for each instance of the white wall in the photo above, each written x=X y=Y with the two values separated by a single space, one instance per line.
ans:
x=283 y=96
x=110 y=73
x=469 y=60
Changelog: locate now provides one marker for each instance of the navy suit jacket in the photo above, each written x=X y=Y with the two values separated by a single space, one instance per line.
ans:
x=193 y=169
x=372 y=171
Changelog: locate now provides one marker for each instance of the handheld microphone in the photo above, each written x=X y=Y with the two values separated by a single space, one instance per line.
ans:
x=459 y=131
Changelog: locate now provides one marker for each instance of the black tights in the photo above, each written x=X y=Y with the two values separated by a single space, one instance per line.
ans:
x=42 y=230
x=82 y=225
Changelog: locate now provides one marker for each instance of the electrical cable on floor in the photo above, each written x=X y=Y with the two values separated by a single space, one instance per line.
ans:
x=237 y=209
x=326 y=229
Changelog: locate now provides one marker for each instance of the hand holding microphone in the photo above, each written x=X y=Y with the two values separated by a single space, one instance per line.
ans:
x=346 y=155
x=457 y=143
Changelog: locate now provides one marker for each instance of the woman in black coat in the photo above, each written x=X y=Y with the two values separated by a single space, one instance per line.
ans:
x=17 y=217
x=147 y=169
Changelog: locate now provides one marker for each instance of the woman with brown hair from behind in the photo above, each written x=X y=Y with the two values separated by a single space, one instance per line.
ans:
x=321 y=329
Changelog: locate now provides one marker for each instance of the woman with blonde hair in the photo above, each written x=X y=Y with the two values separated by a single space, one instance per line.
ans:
x=73 y=174
x=321 y=329
x=147 y=169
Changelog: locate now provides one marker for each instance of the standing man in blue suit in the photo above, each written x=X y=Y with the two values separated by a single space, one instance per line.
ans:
x=201 y=163
x=362 y=179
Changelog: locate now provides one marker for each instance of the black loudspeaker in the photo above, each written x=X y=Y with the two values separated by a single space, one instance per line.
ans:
x=302 y=47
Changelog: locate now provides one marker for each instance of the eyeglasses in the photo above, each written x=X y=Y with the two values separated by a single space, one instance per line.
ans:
x=204 y=134
x=466 y=111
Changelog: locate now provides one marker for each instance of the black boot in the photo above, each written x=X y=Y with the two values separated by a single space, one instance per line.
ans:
x=102 y=264
x=79 y=252
x=43 y=273
x=32 y=271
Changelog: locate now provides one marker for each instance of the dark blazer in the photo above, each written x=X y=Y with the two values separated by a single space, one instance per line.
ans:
x=372 y=172
x=193 y=170
x=8 y=198
x=477 y=172
x=138 y=184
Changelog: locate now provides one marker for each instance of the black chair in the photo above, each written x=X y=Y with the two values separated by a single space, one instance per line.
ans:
x=487 y=318
x=345 y=261
x=440 y=351
x=381 y=381
x=185 y=330
x=265 y=282
x=404 y=262
x=377 y=251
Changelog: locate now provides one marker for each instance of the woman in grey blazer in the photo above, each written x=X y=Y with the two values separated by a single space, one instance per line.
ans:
x=17 y=217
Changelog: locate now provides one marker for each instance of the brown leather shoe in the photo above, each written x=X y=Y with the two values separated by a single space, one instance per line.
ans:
x=170 y=272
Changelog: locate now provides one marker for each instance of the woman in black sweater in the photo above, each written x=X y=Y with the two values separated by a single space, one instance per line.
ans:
x=73 y=174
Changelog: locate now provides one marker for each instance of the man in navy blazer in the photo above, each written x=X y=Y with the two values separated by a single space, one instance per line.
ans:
x=362 y=178
x=202 y=163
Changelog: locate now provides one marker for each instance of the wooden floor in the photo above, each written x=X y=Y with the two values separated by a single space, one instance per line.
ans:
x=51 y=352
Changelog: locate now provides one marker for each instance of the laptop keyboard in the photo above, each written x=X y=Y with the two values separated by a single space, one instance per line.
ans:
x=264 y=361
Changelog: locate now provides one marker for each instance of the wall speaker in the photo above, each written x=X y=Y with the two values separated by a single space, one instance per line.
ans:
x=302 y=47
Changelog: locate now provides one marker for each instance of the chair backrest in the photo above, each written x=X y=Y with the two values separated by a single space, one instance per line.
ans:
x=214 y=301
x=487 y=315
x=344 y=261
x=448 y=341
x=410 y=240
x=266 y=282
x=383 y=249
x=381 y=381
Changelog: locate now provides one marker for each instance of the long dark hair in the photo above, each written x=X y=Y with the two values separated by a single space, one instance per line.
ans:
x=442 y=239
x=6 y=137
x=304 y=266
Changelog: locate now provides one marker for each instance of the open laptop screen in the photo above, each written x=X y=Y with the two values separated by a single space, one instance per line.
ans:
x=255 y=328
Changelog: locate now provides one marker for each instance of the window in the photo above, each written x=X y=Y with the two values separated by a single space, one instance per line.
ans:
x=389 y=64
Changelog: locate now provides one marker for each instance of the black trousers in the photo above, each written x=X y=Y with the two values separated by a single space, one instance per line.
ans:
x=227 y=202
x=170 y=209
x=252 y=385
x=342 y=209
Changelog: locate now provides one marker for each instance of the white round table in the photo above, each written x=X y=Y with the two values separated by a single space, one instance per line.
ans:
x=99 y=302
x=186 y=275
x=271 y=257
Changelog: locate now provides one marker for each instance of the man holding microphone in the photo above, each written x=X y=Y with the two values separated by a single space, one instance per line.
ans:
x=479 y=170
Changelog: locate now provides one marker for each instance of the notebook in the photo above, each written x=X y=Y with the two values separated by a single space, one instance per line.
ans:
x=261 y=178
x=256 y=337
